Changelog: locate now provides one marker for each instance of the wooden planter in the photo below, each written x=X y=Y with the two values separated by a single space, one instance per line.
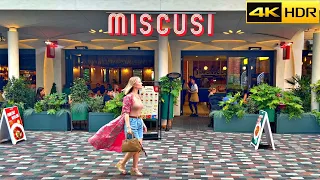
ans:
x=307 y=124
x=45 y=122
x=244 y=125
x=97 y=120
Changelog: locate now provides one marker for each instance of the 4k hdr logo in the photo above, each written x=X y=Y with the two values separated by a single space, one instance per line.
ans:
x=283 y=11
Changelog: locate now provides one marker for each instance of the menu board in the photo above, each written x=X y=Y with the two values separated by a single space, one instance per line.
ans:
x=150 y=99
x=11 y=125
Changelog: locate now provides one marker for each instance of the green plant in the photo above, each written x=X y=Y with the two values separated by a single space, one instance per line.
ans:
x=17 y=91
x=175 y=85
x=52 y=104
x=302 y=89
x=265 y=96
x=293 y=104
x=251 y=107
x=316 y=89
x=114 y=105
x=317 y=115
x=233 y=107
x=79 y=96
x=53 y=88
x=96 y=104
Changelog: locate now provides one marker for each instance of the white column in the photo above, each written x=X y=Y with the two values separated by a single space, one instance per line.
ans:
x=280 y=66
x=297 y=48
x=315 y=67
x=163 y=56
x=57 y=66
x=13 y=53
x=40 y=55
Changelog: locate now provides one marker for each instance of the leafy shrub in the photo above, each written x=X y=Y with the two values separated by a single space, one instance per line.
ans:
x=302 y=89
x=96 y=104
x=265 y=96
x=233 y=107
x=114 y=105
x=166 y=84
x=293 y=104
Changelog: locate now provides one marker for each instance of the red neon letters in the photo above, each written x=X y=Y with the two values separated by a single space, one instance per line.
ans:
x=118 y=24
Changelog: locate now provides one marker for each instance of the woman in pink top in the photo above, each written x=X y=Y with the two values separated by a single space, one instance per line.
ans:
x=110 y=136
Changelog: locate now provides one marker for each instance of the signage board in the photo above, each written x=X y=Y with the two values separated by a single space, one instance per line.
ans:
x=283 y=11
x=262 y=124
x=118 y=24
x=150 y=99
x=11 y=126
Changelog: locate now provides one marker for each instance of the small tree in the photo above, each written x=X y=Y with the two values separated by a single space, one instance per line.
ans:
x=53 y=88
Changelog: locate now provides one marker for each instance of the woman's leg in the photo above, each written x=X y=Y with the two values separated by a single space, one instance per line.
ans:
x=139 y=134
x=195 y=105
x=190 y=106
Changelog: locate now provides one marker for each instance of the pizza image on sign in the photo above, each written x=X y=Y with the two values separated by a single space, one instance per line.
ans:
x=257 y=130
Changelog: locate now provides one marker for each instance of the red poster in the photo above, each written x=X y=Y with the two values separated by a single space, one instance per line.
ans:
x=14 y=122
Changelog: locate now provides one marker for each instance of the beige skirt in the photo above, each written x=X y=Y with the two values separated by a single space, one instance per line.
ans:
x=194 y=97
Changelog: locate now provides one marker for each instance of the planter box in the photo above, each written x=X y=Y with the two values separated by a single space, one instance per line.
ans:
x=97 y=120
x=45 y=122
x=79 y=116
x=244 y=125
x=307 y=124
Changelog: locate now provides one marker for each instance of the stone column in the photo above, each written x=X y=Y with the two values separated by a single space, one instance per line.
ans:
x=163 y=59
x=13 y=53
x=315 y=67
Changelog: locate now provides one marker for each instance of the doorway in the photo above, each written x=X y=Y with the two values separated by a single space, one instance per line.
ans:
x=227 y=71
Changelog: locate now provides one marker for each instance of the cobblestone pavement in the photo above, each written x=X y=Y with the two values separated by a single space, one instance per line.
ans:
x=179 y=155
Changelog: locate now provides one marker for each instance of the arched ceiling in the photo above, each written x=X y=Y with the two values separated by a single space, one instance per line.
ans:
x=75 y=25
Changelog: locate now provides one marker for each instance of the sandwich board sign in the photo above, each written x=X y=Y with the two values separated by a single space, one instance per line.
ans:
x=262 y=124
x=11 y=126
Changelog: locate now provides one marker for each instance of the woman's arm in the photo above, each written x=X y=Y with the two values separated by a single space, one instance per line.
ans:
x=126 y=109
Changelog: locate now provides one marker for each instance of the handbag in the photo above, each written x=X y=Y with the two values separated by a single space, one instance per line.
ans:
x=132 y=145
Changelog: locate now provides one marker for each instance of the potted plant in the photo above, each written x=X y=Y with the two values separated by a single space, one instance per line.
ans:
x=48 y=114
x=114 y=106
x=97 y=116
x=79 y=100
x=234 y=115
x=302 y=89
x=18 y=93
x=165 y=86
x=267 y=98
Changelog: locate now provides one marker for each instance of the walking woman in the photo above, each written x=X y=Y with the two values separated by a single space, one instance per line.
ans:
x=194 y=98
x=111 y=135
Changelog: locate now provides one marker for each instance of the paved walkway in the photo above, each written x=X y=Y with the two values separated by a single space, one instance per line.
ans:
x=180 y=155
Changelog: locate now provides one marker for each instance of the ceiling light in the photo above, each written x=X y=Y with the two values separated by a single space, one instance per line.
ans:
x=226 y=33
x=196 y=56
x=106 y=32
x=230 y=31
x=205 y=68
x=217 y=59
x=100 y=30
x=92 y=31
x=238 y=31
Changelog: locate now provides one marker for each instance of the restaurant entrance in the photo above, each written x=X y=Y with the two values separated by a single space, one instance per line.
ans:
x=226 y=71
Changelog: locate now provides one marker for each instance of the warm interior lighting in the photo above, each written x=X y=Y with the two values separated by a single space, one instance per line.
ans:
x=107 y=40
x=146 y=41
x=224 y=68
x=229 y=41
x=69 y=40
x=187 y=41
x=217 y=59
x=269 y=41
x=226 y=33
x=245 y=61
x=230 y=31
x=244 y=68
x=125 y=70
x=92 y=31
x=238 y=31
x=305 y=59
x=28 y=40
x=263 y=58
x=205 y=68
x=100 y=31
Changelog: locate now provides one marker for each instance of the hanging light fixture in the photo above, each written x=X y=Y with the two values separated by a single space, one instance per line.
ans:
x=2 y=38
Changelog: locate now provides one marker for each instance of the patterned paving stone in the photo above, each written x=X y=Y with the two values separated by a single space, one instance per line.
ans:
x=180 y=154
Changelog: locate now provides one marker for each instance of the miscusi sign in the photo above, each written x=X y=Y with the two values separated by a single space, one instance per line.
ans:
x=118 y=24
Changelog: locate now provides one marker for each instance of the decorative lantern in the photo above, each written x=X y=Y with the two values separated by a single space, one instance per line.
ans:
x=51 y=45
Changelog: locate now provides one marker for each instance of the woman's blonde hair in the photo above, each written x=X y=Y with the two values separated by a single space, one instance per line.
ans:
x=130 y=84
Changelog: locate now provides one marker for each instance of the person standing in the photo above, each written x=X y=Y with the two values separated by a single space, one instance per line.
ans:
x=40 y=94
x=110 y=136
x=194 y=98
